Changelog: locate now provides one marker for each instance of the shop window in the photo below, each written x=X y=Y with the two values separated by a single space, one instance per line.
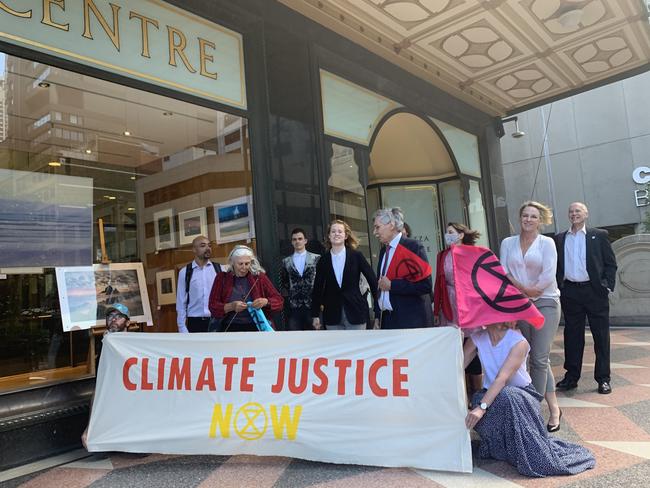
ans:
x=155 y=170
x=347 y=195
x=477 y=219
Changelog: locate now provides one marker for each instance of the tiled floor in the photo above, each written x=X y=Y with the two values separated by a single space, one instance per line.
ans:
x=615 y=427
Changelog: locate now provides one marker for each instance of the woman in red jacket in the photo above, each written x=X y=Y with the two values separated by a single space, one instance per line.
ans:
x=233 y=290
x=444 y=292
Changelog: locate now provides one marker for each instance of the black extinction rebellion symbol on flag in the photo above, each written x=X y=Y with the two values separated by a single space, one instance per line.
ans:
x=408 y=269
x=503 y=282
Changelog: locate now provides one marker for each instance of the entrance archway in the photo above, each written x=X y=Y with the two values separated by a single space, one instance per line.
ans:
x=412 y=167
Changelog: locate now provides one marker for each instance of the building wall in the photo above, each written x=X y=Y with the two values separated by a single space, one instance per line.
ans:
x=595 y=140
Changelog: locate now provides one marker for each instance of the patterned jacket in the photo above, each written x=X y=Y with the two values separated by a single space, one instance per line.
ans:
x=298 y=288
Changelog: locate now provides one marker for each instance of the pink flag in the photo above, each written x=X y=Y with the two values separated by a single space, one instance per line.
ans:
x=484 y=295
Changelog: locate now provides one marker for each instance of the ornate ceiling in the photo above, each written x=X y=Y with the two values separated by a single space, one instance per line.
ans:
x=497 y=55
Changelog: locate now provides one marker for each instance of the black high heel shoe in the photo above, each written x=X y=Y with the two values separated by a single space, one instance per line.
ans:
x=556 y=427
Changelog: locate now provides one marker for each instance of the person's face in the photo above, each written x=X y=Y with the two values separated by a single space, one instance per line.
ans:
x=577 y=214
x=116 y=322
x=202 y=249
x=383 y=232
x=337 y=235
x=452 y=236
x=298 y=242
x=242 y=265
x=529 y=219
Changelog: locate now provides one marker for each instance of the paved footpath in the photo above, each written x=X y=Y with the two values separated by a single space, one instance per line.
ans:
x=615 y=427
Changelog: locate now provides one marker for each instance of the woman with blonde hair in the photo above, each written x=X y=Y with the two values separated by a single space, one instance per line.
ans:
x=336 y=286
x=530 y=261
x=246 y=282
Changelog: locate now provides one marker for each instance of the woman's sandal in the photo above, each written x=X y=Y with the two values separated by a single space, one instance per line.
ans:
x=556 y=427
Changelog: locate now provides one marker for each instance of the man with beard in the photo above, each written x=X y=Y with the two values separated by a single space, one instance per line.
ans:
x=194 y=286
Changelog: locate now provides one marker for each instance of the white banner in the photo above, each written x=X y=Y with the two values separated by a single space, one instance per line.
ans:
x=386 y=398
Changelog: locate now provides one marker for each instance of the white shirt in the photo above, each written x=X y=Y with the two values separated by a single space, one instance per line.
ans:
x=338 y=263
x=493 y=357
x=299 y=261
x=200 y=288
x=537 y=268
x=384 y=296
x=575 y=256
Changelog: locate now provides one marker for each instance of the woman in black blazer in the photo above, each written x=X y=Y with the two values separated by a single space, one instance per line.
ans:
x=336 y=286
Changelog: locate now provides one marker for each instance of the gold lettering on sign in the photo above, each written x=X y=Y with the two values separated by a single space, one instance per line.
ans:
x=26 y=15
x=144 y=26
x=114 y=33
x=47 y=14
x=206 y=57
x=173 y=34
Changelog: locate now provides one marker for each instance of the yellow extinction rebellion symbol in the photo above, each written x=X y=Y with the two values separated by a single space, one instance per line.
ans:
x=251 y=421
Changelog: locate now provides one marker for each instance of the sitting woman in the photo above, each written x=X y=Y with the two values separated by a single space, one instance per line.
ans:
x=245 y=283
x=506 y=413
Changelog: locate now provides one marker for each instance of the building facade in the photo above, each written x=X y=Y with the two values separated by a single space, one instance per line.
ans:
x=595 y=151
x=132 y=127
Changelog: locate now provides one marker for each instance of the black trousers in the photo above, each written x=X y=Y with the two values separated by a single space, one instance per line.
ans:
x=198 y=324
x=299 y=319
x=580 y=302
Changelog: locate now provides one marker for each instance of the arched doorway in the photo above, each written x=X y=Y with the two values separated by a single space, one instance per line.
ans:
x=412 y=167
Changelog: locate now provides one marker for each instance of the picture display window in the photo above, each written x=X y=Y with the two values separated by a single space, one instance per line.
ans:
x=156 y=170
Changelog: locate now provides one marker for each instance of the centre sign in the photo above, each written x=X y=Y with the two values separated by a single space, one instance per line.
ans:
x=148 y=40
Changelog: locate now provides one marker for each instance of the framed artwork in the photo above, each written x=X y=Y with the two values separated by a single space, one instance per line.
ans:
x=163 y=223
x=166 y=287
x=85 y=292
x=192 y=223
x=234 y=220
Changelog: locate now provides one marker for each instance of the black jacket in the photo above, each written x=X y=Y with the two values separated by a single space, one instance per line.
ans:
x=601 y=261
x=333 y=298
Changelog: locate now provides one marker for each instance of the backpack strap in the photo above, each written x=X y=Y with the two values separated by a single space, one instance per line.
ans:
x=188 y=277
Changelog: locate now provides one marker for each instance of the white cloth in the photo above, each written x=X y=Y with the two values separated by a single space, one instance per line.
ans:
x=299 y=261
x=384 y=296
x=200 y=288
x=493 y=357
x=537 y=268
x=575 y=256
x=338 y=263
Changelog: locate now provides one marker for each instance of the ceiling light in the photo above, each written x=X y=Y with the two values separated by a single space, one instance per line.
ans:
x=133 y=177
x=43 y=84
x=126 y=133
x=110 y=197
x=88 y=151
x=54 y=164
x=131 y=209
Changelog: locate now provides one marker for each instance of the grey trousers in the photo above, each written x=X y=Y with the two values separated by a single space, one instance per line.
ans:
x=345 y=324
x=540 y=342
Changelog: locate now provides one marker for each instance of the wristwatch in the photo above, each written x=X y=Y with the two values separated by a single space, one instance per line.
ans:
x=483 y=406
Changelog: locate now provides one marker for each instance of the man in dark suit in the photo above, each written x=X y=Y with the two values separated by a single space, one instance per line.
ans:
x=404 y=275
x=586 y=274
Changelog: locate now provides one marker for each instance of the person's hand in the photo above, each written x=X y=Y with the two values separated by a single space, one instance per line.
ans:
x=84 y=439
x=534 y=292
x=384 y=284
x=376 y=324
x=237 y=306
x=316 y=323
x=260 y=303
x=473 y=417
x=436 y=320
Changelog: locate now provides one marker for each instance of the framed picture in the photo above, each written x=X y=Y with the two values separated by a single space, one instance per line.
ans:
x=85 y=292
x=192 y=223
x=166 y=287
x=163 y=224
x=234 y=220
